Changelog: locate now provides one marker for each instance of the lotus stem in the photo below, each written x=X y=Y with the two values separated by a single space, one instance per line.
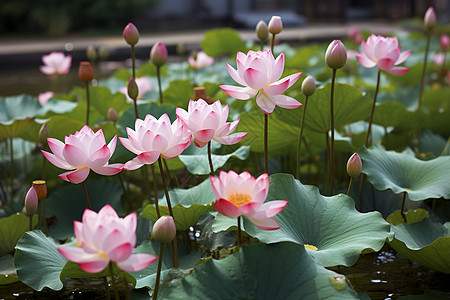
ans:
x=105 y=283
x=169 y=205
x=169 y=176
x=403 y=207
x=158 y=271
x=127 y=196
x=266 y=144
x=133 y=62
x=86 y=197
x=158 y=75
x=272 y=44
x=44 y=218
x=239 y=231
x=349 y=186
x=88 y=103
x=11 y=171
x=127 y=288
x=30 y=218
x=373 y=109
x=261 y=46
x=333 y=79
x=211 y=168
x=113 y=282
x=421 y=87
x=44 y=167
x=155 y=191
x=300 y=138
x=361 y=187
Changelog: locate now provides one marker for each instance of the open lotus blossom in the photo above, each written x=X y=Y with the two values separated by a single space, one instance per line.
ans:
x=144 y=86
x=56 y=63
x=44 y=97
x=209 y=122
x=103 y=237
x=154 y=137
x=242 y=194
x=383 y=52
x=200 y=60
x=259 y=72
x=83 y=151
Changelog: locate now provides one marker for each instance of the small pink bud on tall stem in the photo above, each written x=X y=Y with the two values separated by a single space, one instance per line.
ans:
x=158 y=54
x=262 y=31
x=164 y=230
x=430 y=18
x=275 y=25
x=131 y=34
x=336 y=55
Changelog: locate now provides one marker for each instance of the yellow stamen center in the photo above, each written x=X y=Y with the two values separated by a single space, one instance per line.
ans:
x=311 y=247
x=79 y=244
x=238 y=199
x=103 y=254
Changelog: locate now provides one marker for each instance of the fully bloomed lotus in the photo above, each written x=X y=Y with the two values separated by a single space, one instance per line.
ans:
x=259 y=73
x=82 y=152
x=209 y=122
x=154 y=137
x=200 y=60
x=56 y=63
x=242 y=194
x=103 y=237
x=383 y=52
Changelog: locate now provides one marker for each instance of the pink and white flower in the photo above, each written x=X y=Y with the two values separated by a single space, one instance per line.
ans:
x=259 y=72
x=154 y=137
x=44 y=97
x=83 y=151
x=144 y=86
x=242 y=194
x=200 y=60
x=103 y=237
x=209 y=122
x=56 y=63
x=383 y=52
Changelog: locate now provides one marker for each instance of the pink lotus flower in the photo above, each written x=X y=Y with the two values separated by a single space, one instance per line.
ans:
x=445 y=42
x=144 y=86
x=355 y=35
x=56 y=63
x=200 y=61
x=209 y=122
x=44 y=97
x=105 y=237
x=83 y=151
x=258 y=72
x=242 y=194
x=383 y=52
x=438 y=58
x=154 y=137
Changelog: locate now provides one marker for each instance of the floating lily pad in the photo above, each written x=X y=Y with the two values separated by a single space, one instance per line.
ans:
x=330 y=225
x=187 y=205
x=402 y=172
x=38 y=262
x=425 y=242
x=196 y=159
x=11 y=230
x=282 y=271
x=7 y=270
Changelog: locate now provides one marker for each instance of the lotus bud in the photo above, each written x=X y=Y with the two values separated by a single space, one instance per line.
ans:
x=275 y=25
x=133 y=90
x=336 y=55
x=164 y=230
x=31 y=202
x=262 y=31
x=445 y=42
x=158 y=54
x=85 y=71
x=103 y=53
x=131 y=34
x=44 y=132
x=308 y=86
x=91 y=53
x=181 y=49
x=112 y=115
x=41 y=189
x=354 y=165
x=430 y=18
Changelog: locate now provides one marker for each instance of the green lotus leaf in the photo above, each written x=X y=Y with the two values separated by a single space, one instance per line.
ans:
x=331 y=224
x=425 y=242
x=178 y=93
x=390 y=113
x=38 y=262
x=187 y=205
x=11 y=230
x=402 y=172
x=14 y=128
x=412 y=216
x=433 y=143
x=7 y=270
x=282 y=271
x=196 y=159
x=67 y=204
x=222 y=42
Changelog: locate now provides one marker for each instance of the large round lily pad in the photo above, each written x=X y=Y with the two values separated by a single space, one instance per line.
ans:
x=402 y=172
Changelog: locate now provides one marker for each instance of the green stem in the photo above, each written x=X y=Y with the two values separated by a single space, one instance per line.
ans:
x=261 y=46
x=127 y=288
x=349 y=186
x=30 y=218
x=300 y=138
x=44 y=218
x=155 y=191
x=333 y=79
x=105 y=282
x=373 y=109
x=272 y=44
x=11 y=174
x=86 y=197
x=146 y=180
x=158 y=74
x=239 y=231
x=211 y=168
x=403 y=207
x=113 y=282
x=169 y=176
x=266 y=143
x=88 y=103
x=158 y=271
x=421 y=87
x=133 y=62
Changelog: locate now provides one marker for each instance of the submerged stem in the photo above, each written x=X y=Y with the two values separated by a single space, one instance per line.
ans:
x=211 y=168
x=373 y=109
x=86 y=197
x=333 y=79
x=300 y=138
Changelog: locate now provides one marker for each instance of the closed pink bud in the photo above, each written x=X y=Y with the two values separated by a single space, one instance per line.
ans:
x=336 y=55
x=275 y=25
x=158 y=54
x=112 y=115
x=445 y=42
x=262 y=31
x=354 y=165
x=131 y=34
x=430 y=18
x=44 y=132
x=164 y=230
x=31 y=201
x=308 y=86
